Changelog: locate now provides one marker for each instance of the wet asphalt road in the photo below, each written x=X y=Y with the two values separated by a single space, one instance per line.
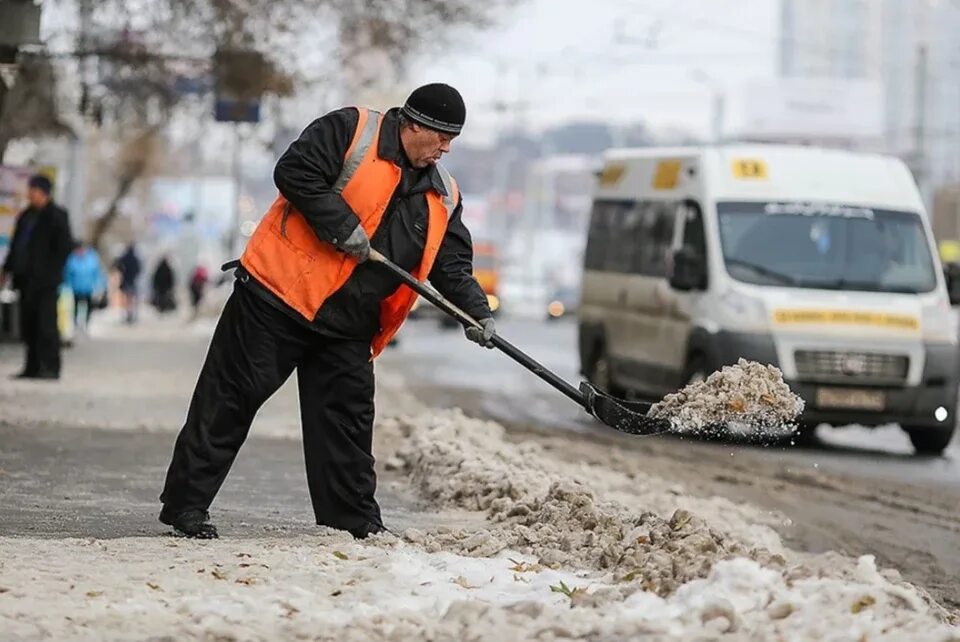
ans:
x=504 y=391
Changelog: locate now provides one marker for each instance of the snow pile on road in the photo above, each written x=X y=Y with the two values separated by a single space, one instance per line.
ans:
x=564 y=552
x=556 y=515
x=749 y=394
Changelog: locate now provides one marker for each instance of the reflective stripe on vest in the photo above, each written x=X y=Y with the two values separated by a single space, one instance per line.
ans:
x=355 y=155
x=303 y=271
x=359 y=151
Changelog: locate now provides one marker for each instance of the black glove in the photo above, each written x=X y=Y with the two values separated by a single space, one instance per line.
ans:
x=357 y=244
x=482 y=337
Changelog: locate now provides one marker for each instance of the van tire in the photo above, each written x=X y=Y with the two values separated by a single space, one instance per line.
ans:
x=929 y=442
x=601 y=375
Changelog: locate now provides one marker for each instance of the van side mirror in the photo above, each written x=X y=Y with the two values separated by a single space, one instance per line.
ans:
x=689 y=270
x=951 y=272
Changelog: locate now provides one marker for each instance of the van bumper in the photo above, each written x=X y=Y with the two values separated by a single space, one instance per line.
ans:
x=912 y=406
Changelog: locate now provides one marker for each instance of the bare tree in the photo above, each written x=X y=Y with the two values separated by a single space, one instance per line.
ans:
x=128 y=82
x=28 y=106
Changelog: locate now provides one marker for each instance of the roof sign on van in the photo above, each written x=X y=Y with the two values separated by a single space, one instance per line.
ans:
x=611 y=174
x=818 y=209
x=667 y=175
x=750 y=169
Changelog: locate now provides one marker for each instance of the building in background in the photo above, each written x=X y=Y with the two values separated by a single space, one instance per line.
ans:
x=909 y=47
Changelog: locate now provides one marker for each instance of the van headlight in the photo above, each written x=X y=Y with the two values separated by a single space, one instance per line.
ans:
x=742 y=312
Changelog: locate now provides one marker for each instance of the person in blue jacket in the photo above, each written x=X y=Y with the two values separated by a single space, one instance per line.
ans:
x=84 y=275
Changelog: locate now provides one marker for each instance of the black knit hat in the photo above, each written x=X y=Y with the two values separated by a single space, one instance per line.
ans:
x=437 y=106
x=41 y=182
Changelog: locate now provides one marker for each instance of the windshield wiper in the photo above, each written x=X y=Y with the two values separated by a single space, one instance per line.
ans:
x=763 y=271
x=865 y=286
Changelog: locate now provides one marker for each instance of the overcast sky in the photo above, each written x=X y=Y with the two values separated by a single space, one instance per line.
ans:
x=554 y=60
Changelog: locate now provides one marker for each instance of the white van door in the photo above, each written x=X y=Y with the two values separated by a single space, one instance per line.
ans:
x=677 y=326
x=649 y=238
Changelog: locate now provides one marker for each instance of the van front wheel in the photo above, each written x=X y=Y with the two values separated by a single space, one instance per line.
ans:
x=929 y=442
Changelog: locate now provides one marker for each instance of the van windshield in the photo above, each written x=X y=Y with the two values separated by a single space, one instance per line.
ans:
x=825 y=245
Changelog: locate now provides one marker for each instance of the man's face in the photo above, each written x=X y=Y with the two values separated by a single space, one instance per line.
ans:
x=425 y=146
x=37 y=197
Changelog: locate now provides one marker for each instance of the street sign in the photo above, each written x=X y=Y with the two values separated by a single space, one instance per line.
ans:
x=231 y=110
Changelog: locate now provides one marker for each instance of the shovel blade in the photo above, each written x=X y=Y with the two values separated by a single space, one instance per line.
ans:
x=625 y=416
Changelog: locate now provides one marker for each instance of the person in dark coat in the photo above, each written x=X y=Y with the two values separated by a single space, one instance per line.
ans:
x=198 y=287
x=163 y=282
x=129 y=267
x=307 y=299
x=38 y=253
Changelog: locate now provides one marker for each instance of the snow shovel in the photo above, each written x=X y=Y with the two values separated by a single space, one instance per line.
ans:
x=626 y=416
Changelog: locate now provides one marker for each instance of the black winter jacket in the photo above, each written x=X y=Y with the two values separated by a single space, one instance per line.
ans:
x=305 y=175
x=39 y=248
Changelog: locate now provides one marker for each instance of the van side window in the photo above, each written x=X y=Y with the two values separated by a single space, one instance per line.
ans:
x=598 y=236
x=661 y=235
x=694 y=236
x=630 y=237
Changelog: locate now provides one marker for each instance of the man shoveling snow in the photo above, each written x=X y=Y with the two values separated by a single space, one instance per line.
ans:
x=306 y=299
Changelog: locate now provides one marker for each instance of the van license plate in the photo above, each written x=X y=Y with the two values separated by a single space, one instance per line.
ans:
x=851 y=398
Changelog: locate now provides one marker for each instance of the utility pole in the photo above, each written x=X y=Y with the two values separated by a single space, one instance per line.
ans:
x=237 y=171
x=77 y=188
x=920 y=133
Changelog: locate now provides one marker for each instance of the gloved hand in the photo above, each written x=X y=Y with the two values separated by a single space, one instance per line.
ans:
x=482 y=337
x=357 y=244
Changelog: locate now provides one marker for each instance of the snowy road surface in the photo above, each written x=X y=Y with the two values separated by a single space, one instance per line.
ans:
x=508 y=392
x=502 y=529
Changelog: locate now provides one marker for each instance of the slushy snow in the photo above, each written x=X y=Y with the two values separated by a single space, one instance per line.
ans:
x=557 y=552
x=746 y=394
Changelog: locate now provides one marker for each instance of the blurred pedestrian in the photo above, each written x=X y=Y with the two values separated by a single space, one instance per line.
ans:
x=38 y=252
x=198 y=287
x=129 y=267
x=163 y=282
x=306 y=299
x=85 y=277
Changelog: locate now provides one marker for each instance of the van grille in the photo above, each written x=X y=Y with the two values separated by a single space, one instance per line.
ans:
x=830 y=365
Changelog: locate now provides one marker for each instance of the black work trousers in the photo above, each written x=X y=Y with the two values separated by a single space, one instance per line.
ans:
x=253 y=351
x=38 y=328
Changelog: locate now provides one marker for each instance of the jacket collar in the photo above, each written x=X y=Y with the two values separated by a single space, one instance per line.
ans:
x=389 y=148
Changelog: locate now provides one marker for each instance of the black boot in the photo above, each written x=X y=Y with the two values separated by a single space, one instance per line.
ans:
x=193 y=523
x=365 y=531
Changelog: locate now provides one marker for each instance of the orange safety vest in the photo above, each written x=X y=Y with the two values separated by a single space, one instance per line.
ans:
x=285 y=255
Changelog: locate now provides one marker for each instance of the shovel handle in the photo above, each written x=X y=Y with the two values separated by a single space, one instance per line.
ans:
x=499 y=342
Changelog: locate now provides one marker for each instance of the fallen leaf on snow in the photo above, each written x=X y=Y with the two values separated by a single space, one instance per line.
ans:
x=563 y=589
x=737 y=405
x=525 y=567
x=340 y=556
x=862 y=603
x=462 y=581
x=154 y=586
x=249 y=581
x=217 y=574
x=94 y=593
